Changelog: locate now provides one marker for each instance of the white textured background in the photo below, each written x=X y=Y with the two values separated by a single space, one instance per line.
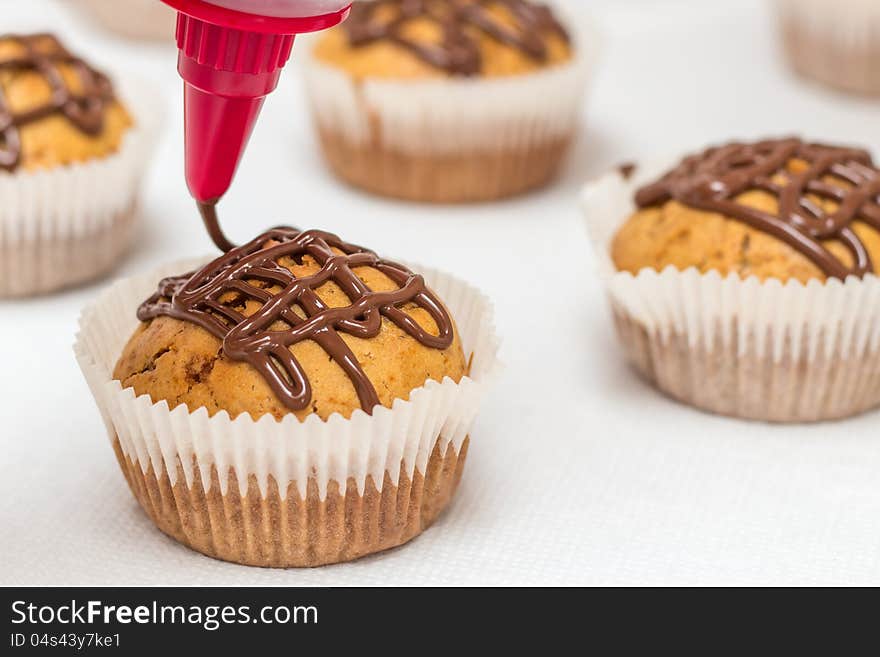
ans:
x=578 y=473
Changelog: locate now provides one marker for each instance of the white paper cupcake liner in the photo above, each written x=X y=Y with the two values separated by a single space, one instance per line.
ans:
x=835 y=43
x=64 y=225
x=288 y=450
x=759 y=350
x=526 y=121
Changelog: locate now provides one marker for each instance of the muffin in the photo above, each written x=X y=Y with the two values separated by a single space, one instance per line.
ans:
x=71 y=157
x=299 y=401
x=743 y=281
x=835 y=42
x=134 y=19
x=446 y=101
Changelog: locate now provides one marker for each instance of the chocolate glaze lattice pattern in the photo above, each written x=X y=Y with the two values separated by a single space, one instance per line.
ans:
x=459 y=52
x=44 y=54
x=263 y=339
x=844 y=179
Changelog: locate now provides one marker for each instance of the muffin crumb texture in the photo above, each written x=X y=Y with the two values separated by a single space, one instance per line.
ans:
x=674 y=233
x=682 y=237
x=182 y=363
x=393 y=58
x=49 y=137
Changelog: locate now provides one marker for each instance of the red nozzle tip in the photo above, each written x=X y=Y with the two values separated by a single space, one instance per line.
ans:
x=217 y=131
x=228 y=74
x=230 y=62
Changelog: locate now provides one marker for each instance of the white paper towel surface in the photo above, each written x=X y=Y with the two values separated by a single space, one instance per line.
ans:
x=578 y=473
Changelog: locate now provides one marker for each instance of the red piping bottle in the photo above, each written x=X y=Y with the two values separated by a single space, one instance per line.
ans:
x=231 y=56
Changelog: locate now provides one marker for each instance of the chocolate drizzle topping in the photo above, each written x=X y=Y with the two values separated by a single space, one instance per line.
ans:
x=847 y=177
x=44 y=54
x=459 y=52
x=213 y=296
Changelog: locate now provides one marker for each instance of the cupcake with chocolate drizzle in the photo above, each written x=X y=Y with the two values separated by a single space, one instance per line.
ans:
x=744 y=280
x=449 y=100
x=71 y=155
x=296 y=402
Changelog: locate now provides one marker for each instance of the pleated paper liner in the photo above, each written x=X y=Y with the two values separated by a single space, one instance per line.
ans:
x=835 y=43
x=745 y=348
x=289 y=493
x=66 y=225
x=445 y=177
x=450 y=139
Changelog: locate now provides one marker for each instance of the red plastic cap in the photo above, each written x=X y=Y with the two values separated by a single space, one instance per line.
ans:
x=250 y=22
x=229 y=49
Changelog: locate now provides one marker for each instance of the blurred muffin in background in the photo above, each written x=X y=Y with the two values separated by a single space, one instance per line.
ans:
x=72 y=153
x=443 y=101
x=134 y=19
x=835 y=42
x=744 y=279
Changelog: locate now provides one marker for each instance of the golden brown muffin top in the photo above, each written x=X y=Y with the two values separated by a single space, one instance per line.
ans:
x=413 y=39
x=774 y=209
x=54 y=108
x=294 y=322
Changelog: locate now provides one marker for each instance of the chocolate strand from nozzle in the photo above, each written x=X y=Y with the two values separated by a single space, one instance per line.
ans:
x=208 y=210
x=86 y=111
x=459 y=52
x=213 y=297
x=714 y=180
